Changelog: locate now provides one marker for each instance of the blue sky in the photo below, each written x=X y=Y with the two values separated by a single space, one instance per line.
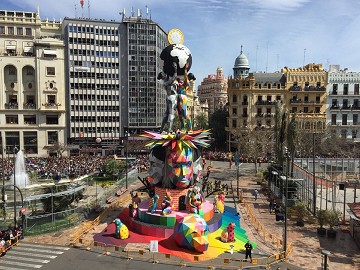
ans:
x=274 y=33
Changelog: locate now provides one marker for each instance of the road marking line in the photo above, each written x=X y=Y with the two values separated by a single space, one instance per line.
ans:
x=33 y=254
x=9 y=268
x=19 y=258
x=40 y=250
x=4 y=261
x=42 y=246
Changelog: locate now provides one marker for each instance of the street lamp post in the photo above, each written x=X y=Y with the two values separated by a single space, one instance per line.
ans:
x=314 y=178
x=15 y=213
x=237 y=170
x=126 y=158
x=287 y=156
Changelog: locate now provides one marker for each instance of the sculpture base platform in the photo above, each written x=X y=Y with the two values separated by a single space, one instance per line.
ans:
x=162 y=231
x=156 y=218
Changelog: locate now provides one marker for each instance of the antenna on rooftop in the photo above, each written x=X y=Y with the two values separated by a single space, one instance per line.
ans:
x=267 y=56
x=304 y=57
x=147 y=11
x=277 y=62
x=89 y=9
x=256 y=58
x=75 y=8
x=132 y=12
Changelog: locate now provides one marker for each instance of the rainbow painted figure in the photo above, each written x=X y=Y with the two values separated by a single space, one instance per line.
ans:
x=184 y=117
x=121 y=231
x=166 y=204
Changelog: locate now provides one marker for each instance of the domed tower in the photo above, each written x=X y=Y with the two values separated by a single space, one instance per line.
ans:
x=241 y=67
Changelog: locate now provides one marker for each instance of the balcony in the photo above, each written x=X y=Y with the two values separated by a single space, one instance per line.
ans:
x=265 y=102
x=269 y=115
x=245 y=103
x=11 y=105
x=29 y=106
x=346 y=107
x=355 y=107
x=295 y=101
x=50 y=104
x=295 y=88
x=335 y=107
x=314 y=88
x=259 y=115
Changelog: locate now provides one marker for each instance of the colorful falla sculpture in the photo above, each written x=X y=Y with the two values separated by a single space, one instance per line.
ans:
x=121 y=231
x=192 y=232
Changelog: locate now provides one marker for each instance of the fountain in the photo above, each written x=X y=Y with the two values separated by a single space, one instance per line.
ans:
x=21 y=177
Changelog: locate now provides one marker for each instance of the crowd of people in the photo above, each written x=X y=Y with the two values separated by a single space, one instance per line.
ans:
x=52 y=167
x=8 y=238
x=231 y=156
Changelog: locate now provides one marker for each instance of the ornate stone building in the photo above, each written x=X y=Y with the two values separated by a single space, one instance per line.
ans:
x=252 y=99
x=306 y=96
x=213 y=90
x=32 y=99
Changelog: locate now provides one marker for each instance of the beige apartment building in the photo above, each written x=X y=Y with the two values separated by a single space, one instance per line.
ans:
x=306 y=96
x=32 y=100
x=253 y=96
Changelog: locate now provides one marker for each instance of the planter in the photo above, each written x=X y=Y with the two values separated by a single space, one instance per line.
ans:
x=321 y=231
x=331 y=233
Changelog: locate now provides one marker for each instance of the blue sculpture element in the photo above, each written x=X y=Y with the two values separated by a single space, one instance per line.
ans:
x=153 y=203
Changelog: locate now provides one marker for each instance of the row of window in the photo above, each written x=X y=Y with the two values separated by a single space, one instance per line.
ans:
x=89 y=64
x=30 y=140
x=91 y=41
x=92 y=29
x=95 y=97
x=335 y=89
x=93 y=75
x=31 y=119
x=19 y=31
x=94 y=53
x=95 y=119
x=82 y=130
x=97 y=108
x=94 y=86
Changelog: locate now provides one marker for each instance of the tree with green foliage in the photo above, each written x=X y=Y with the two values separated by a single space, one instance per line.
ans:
x=200 y=121
x=217 y=125
x=291 y=140
x=59 y=203
x=113 y=168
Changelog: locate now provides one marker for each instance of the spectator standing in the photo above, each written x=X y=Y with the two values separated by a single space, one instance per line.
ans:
x=256 y=192
x=248 y=249
x=271 y=205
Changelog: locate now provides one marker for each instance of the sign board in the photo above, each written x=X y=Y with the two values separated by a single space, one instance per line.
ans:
x=23 y=211
x=154 y=246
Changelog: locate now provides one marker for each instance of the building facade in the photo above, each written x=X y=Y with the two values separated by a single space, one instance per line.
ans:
x=343 y=106
x=214 y=91
x=306 y=96
x=32 y=100
x=252 y=99
x=142 y=43
x=113 y=91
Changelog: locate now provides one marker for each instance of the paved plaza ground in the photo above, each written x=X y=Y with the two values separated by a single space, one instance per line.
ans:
x=307 y=245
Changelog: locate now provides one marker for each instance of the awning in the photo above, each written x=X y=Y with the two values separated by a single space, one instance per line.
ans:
x=28 y=49
x=11 y=47
x=50 y=52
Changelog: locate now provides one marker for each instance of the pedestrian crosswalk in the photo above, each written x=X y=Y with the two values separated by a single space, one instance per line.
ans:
x=26 y=256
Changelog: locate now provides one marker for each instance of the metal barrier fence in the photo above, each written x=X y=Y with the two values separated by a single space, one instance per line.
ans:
x=87 y=226
x=224 y=262
x=265 y=235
